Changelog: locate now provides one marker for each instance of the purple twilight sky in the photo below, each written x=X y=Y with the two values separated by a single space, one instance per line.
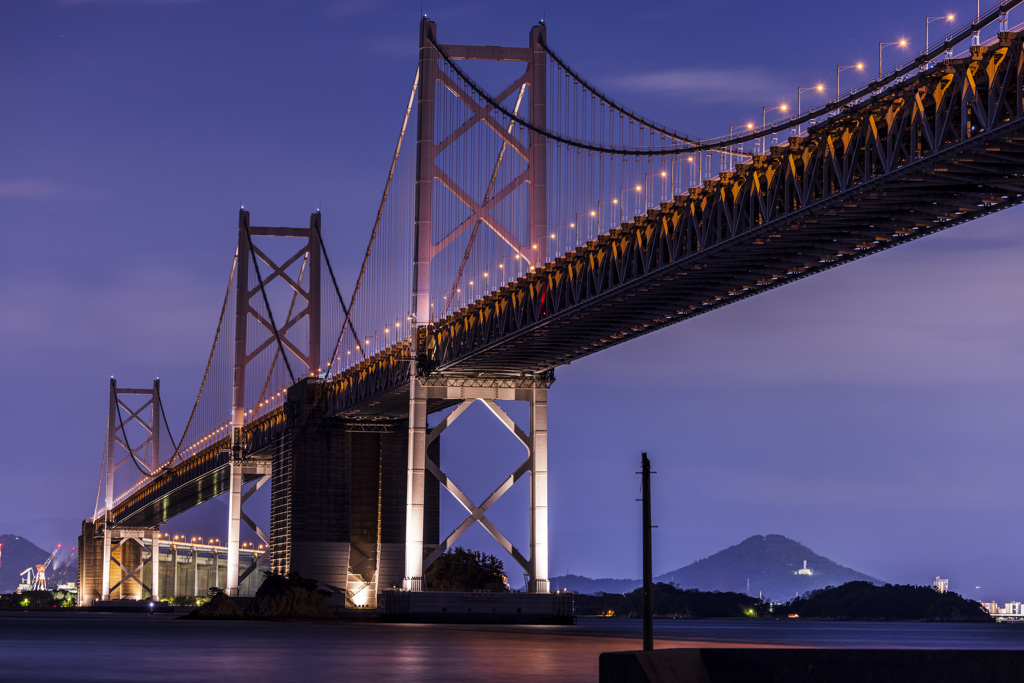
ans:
x=874 y=413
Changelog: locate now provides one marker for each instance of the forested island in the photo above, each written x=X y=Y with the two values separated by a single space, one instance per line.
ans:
x=856 y=600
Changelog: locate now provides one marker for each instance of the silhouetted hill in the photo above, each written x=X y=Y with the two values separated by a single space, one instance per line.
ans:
x=670 y=601
x=862 y=600
x=771 y=563
x=18 y=553
x=588 y=586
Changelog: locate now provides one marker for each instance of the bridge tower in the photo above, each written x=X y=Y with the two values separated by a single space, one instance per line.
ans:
x=126 y=554
x=438 y=386
x=247 y=312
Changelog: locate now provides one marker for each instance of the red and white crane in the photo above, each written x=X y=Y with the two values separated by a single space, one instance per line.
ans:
x=36 y=580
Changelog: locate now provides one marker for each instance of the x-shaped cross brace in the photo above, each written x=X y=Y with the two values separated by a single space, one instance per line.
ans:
x=477 y=513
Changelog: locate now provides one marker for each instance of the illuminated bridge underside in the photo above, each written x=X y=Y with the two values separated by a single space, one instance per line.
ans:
x=934 y=152
x=199 y=478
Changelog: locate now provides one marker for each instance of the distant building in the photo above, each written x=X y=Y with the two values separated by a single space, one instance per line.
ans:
x=805 y=570
x=941 y=584
x=1010 y=609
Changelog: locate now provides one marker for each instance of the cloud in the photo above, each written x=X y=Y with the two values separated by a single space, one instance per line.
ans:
x=131 y=2
x=712 y=86
x=38 y=188
x=143 y=315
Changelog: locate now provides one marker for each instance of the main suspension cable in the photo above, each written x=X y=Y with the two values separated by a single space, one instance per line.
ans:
x=719 y=144
x=209 y=361
x=376 y=226
x=667 y=132
x=337 y=292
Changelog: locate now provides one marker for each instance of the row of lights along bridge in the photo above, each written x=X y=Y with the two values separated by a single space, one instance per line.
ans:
x=700 y=170
x=820 y=87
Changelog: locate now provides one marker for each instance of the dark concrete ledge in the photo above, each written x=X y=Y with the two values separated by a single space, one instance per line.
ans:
x=809 y=665
x=478 y=607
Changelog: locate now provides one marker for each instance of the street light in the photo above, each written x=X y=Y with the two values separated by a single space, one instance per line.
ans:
x=801 y=91
x=929 y=20
x=859 y=66
x=976 y=36
x=732 y=148
x=764 y=112
x=902 y=42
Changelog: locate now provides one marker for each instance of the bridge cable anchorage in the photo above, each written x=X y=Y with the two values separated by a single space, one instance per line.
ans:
x=266 y=302
x=337 y=292
x=376 y=225
x=719 y=144
x=128 y=446
x=209 y=361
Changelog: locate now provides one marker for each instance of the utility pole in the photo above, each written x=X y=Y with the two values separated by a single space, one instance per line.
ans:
x=648 y=592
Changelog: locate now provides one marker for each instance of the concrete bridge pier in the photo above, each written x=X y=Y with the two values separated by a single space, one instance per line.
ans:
x=117 y=563
x=338 y=499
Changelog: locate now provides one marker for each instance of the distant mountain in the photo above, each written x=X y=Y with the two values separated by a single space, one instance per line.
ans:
x=773 y=564
x=18 y=553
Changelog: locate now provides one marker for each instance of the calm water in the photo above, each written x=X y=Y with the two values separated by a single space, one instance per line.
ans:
x=106 y=647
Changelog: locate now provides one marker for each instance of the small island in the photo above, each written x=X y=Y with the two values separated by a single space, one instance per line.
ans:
x=855 y=600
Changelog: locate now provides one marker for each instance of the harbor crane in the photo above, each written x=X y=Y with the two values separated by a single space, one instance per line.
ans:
x=34 y=578
x=60 y=574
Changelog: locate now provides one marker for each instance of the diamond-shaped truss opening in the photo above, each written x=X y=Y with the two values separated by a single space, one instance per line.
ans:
x=473 y=495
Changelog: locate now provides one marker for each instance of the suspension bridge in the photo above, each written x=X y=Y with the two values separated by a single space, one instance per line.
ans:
x=520 y=229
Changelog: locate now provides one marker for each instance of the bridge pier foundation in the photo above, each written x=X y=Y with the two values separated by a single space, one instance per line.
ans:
x=112 y=563
x=338 y=500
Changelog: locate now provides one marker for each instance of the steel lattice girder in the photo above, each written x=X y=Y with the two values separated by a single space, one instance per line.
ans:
x=934 y=152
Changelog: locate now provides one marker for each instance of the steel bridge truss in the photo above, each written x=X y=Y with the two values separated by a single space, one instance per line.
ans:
x=466 y=391
x=127 y=538
x=936 y=151
x=238 y=470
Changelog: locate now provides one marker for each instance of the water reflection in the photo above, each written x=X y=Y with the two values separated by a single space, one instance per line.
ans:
x=36 y=646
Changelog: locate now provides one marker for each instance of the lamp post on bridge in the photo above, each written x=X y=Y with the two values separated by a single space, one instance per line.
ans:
x=673 y=174
x=732 y=148
x=800 y=91
x=859 y=66
x=902 y=42
x=663 y=174
x=976 y=36
x=764 y=112
x=927 y=22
